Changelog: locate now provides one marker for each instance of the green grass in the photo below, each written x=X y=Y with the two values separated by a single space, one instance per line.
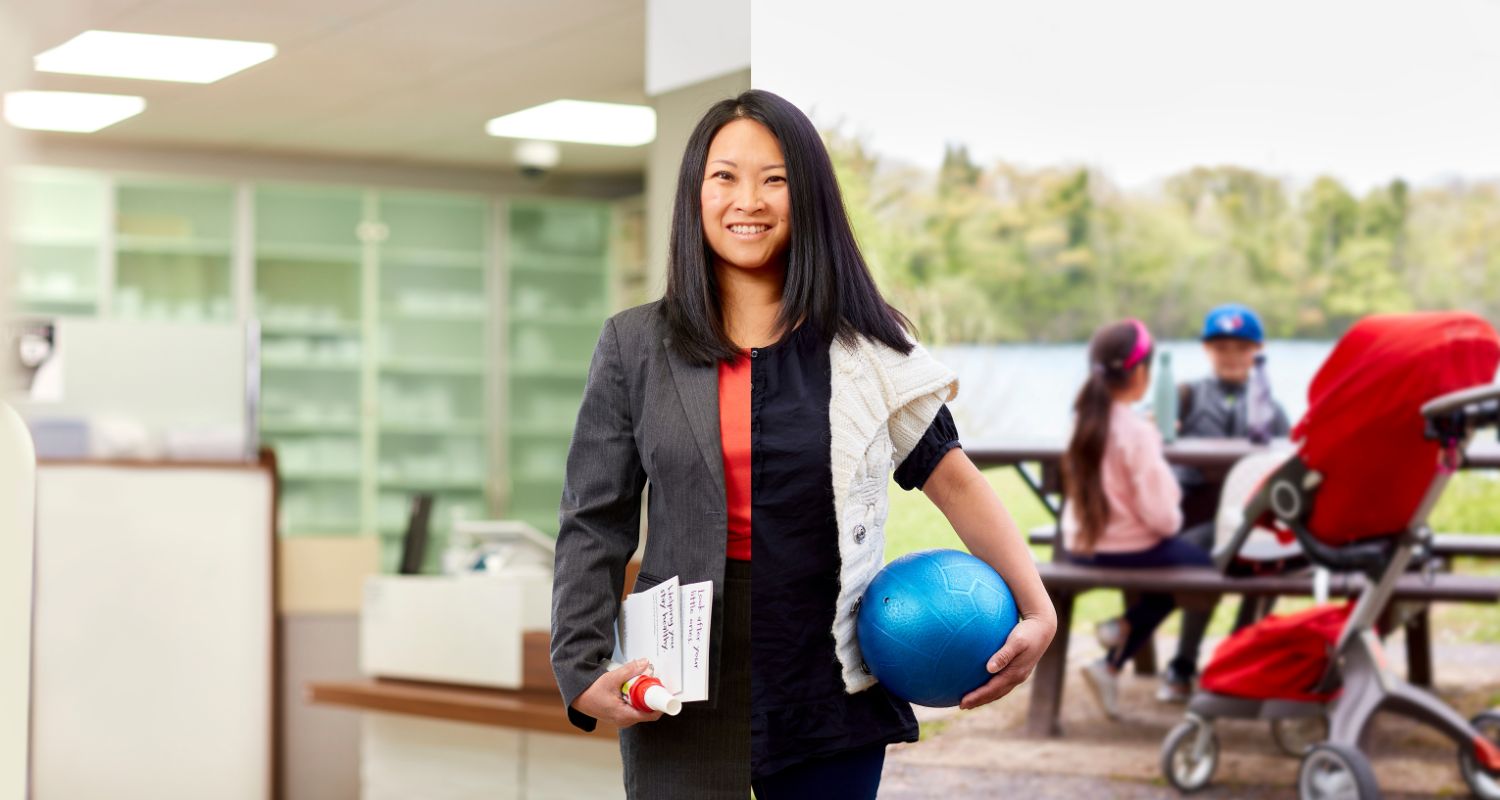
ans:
x=1471 y=504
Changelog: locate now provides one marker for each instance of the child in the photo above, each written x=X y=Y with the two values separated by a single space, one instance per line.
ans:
x=1122 y=498
x=1216 y=406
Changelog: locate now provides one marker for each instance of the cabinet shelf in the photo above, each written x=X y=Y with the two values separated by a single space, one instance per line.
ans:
x=458 y=315
x=60 y=239
x=465 y=367
x=153 y=245
x=308 y=365
x=320 y=477
x=560 y=319
x=350 y=254
x=422 y=258
x=466 y=486
x=57 y=299
x=418 y=428
x=333 y=427
x=310 y=328
x=577 y=372
x=320 y=528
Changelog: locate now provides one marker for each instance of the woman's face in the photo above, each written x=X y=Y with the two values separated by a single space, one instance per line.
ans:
x=746 y=206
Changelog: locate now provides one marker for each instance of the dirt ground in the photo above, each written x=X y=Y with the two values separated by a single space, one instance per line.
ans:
x=985 y=753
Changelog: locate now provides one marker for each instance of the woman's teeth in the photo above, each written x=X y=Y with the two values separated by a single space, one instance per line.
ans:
x=748 y=229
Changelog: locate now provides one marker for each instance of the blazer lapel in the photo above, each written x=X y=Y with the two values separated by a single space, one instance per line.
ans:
x=698 y=388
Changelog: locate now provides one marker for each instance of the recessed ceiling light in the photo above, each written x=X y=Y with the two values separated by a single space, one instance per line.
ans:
x=74 y=112
x=579 y=121
x=185 y=59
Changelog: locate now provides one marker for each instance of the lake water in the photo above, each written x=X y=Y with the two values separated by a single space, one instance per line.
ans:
x=1024 y=392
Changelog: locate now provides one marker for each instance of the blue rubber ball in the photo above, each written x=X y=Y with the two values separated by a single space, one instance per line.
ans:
x=929 y=622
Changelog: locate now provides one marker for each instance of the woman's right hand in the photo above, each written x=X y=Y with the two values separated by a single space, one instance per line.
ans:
x=603 y=700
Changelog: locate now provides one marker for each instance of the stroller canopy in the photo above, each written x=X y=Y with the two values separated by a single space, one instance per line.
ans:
x=1364 y=430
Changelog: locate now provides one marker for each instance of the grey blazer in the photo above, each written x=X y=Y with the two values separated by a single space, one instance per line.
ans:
x=647 y=415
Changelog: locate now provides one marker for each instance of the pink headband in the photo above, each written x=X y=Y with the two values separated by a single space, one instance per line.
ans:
x=1142 y=345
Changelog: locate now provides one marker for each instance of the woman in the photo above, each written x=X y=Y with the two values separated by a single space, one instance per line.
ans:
x=765 y=397
x=1122 y=497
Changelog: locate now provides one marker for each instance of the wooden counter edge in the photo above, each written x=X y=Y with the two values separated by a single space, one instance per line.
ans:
x=540 y=712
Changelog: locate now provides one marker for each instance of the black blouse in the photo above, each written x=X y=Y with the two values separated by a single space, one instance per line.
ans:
x=799 y=709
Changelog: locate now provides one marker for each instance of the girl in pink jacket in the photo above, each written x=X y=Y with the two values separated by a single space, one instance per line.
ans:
x=1122 y=498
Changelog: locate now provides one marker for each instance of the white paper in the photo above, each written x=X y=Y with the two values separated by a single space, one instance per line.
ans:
x=668 y=625
x=652 y=629
x=696 y=606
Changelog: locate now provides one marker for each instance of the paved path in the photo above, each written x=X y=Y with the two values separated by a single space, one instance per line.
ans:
x=984 y=754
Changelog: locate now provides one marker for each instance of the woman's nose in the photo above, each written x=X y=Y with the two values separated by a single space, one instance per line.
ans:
x=748 y=199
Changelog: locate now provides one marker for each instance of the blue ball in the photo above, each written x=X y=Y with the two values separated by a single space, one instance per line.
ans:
x=929 y=622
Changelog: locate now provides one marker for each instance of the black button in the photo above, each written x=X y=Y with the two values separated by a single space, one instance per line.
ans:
x=754 y=352
x=859 y=534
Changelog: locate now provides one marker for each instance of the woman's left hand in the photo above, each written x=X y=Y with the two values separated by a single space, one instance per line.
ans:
x=1013 y=663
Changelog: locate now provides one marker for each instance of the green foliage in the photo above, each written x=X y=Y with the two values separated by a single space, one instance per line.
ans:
x=1003 y=253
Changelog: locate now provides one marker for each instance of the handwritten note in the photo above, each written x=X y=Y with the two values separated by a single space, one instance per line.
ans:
x=669 y=624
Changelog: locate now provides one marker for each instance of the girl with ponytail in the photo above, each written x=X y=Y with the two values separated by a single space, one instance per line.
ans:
x=1122 y=499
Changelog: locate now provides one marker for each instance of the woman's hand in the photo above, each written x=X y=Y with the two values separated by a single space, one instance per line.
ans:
x=1015 y=660
x=603 y=700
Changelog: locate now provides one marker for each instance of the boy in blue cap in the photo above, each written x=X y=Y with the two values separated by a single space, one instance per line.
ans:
x=1216 y=407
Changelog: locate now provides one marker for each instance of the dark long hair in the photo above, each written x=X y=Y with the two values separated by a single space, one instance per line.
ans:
x=827 y=281
x=1083 y=464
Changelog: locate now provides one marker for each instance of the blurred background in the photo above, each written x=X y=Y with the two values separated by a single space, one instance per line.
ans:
x=1022 y=173
x=299 y=304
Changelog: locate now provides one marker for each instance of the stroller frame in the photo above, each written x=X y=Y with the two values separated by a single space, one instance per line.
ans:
x=1335 y=767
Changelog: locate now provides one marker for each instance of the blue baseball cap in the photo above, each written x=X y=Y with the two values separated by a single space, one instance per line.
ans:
x=1232 y=321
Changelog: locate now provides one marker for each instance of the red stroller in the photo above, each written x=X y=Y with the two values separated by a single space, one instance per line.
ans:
x=1390 y=415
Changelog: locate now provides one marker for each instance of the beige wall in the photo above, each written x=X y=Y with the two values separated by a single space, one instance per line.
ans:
x=677 y=112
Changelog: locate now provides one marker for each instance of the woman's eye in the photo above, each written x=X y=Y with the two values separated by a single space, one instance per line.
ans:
x=723 y=175
x=776 y=179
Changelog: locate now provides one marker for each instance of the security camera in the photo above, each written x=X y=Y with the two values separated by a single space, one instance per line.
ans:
x=537 y=158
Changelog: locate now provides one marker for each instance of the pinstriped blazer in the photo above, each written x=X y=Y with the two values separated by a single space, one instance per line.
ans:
x=646 y=415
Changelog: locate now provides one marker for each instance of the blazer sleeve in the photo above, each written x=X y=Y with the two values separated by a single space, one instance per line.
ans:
x=598 y=527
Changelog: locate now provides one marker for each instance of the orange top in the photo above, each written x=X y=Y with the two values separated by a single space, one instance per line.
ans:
x=734 y=434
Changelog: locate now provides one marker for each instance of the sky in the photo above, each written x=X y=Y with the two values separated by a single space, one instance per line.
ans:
x=1364 y=90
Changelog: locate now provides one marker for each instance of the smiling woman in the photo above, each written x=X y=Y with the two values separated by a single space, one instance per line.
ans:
x=766 y=399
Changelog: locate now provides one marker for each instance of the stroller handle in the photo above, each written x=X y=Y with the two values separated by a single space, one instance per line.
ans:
x=1456 y=415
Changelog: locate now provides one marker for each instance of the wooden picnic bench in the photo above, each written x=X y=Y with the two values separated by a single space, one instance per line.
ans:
x=1065 y=581
x=1446 y=546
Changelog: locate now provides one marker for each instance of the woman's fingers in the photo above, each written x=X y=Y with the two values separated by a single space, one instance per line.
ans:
x=603 y=700
x=625 y=672
x=1012 y=664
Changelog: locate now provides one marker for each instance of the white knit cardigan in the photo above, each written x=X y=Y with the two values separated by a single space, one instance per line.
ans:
x=882 y=403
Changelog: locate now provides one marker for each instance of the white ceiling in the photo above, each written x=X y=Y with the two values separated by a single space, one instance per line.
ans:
x=391 y=80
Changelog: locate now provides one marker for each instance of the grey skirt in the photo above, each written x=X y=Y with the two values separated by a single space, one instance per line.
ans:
x=702 y=753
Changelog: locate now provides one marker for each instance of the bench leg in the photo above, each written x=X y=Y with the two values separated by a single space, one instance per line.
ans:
x=1145 y=658
x=1419 y=649
x=1253 y=609
x=1051 y=672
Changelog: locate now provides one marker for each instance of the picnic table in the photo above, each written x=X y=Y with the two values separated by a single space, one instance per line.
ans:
x=1213 y=457
x=1039 y=465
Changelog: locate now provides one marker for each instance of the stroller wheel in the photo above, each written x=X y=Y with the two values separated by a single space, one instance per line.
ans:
x=1336 y=772
x=1485 y=784
x=1189 y=755
x=1297 y=735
